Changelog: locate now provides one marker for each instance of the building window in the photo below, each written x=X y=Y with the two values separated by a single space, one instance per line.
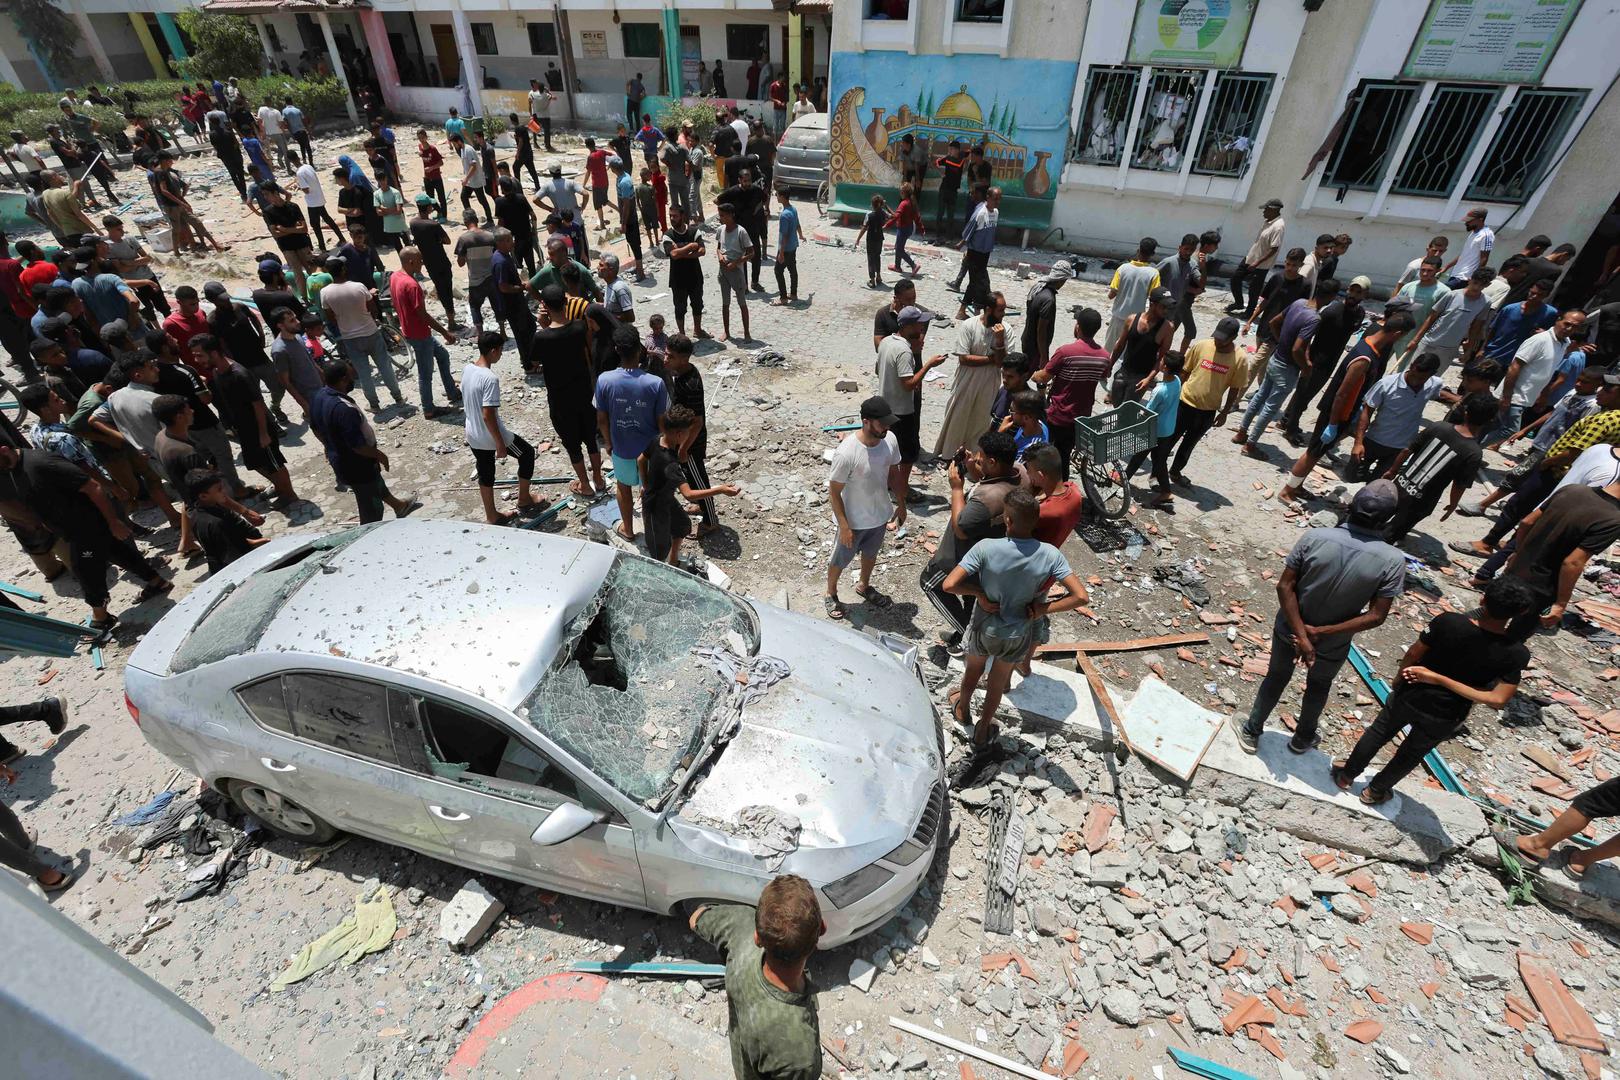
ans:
x=1227 y=144
x=1444 y=141
x=1110 y=96
x=484 y=39
x=1378 y=112
x=980 y=11
x=747 y=43
x=641 y=39
x=1522 y=150
x=543 y=39
x=895 y=10
x=1167 y=117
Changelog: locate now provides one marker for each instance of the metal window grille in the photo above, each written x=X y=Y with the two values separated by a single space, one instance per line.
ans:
x=1525 y=143
x=1227 y=144
x=1110 y=94
x=1377 y=114
x=484 y=39
x=985 y=11
x=1167 y=117
x=1445 y=138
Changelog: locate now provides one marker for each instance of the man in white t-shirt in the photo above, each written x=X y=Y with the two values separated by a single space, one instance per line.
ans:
x=487 y=435
x=1532 y=369
x=1476 y=249
x=25 y=155
x=859 y=487
x=273 y=131
x=540 y=100
x=309 y=182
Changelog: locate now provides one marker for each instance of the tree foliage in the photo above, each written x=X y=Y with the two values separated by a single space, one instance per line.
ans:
x=55 y=36
x=221 y=46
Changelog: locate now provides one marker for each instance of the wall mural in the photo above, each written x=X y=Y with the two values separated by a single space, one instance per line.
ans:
x=1019 y=110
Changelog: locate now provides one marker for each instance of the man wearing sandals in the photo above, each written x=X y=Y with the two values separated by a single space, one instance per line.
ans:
x=77 y=508
x=858 y=490
x=487 y=436
x=1458 y=662
x=1336 y=583
x=18 y=849
x=1595 y=803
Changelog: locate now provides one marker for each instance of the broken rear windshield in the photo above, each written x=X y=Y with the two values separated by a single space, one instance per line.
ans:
x=625 y=696
x=237 y=619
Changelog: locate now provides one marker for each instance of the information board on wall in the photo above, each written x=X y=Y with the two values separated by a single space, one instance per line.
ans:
x=1191 y=33
x=1508 y=41
x=593 y=43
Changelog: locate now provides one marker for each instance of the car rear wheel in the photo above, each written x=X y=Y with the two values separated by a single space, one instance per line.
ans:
x=282 y=815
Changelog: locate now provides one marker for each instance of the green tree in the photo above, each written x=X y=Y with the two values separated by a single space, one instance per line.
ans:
x=221 y=46
x=54 y=35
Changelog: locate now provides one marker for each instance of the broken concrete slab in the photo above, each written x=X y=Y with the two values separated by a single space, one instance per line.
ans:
x=469 y=915
x=1167 y=728
x=1595 y=896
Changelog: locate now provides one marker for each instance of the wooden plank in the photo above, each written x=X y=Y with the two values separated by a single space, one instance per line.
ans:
x=1069 y=648
x=1017 y=1068
x=1095 y=679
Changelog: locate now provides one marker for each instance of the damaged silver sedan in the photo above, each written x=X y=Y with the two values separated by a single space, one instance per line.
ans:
x=554 y=712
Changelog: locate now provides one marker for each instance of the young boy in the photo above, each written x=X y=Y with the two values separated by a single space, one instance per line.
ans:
x=1165 y=402
x=1458 y=662
x=657 y=345
x=789 y=235
x=1027 y=420
x=872 y=227
x=1014 y=380
x=660 y=186
x=662 y=479
x=774 y=1028
x=487 y=436
x=647 y=206
x=1445 y=454
x=225 y=535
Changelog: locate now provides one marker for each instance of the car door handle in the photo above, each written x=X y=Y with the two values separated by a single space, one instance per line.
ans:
x=448 y=815
x=276 y=766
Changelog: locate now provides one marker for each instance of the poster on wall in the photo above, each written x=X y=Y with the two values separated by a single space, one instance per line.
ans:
x=1006 y=106
x=593 y=44
x=1191 y=33
x=1508 y=41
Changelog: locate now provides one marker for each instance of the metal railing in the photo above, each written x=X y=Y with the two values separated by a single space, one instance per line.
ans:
x=1524 y=145
x=1167 y=118
x=1378 y=114
x=1106 y=116
x=1444 y=140
x=1226 y=145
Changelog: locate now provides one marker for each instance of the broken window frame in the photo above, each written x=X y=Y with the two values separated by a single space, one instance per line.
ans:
x=270 y=709
x=1444 y=140
x=461 y=773
x=1371 y=160
x=1168 y=84
x=1117 y=85
x=1538 y=117
x=1237 y=105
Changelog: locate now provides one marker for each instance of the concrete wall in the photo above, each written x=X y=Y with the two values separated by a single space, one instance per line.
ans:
x=21 y=60
x=122 y=46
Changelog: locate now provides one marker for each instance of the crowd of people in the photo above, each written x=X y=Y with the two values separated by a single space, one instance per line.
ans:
x=142 y=396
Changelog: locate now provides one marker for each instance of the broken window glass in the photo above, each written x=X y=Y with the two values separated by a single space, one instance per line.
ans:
x=237 y=619
x=470 y=750
x=626 y=697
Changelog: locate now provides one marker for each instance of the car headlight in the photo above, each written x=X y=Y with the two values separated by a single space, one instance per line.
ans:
x=863 y=882
x=906 y=854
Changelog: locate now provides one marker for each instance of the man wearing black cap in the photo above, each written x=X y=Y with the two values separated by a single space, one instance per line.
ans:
x=1257 y=262
x=859 y=487
x=900 y=373
x=1336 y=583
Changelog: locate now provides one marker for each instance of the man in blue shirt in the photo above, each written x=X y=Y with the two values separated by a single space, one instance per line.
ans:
x=787 y=249
x=104 y=293
x=979 y=239
x=294 y=118
x=351 y=445
x=1516 y=322
x=630 y=408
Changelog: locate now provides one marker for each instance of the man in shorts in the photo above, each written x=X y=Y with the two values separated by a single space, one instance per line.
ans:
x=236 y=395
x=1008 y=578
x=630 y=407
x=560 y=350
x=863 y=477
x=487 y=436
x=684 y=247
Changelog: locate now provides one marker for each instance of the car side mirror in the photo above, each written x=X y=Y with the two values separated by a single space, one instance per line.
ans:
x=564 y=823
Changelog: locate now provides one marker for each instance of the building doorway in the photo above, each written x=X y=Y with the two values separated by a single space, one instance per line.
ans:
x=444 y=46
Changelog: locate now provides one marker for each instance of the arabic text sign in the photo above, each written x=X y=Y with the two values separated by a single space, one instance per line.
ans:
x=1509 y=41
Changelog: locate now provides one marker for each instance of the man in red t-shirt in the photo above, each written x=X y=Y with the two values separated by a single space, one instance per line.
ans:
x=15 y=312
x=1061 y=500
x=186 y=323
x=39 y=271
x=596 y=175
x=1073 y=372
x=417 y=327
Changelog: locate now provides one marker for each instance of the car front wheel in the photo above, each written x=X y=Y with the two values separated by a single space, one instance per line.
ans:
x=282 y=815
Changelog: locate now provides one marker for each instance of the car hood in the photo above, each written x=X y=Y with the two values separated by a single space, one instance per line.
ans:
x=848 y=744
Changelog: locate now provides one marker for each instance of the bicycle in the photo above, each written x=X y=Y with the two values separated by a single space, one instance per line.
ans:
x=1102 y=445
x=823 y=197
x=399 y=351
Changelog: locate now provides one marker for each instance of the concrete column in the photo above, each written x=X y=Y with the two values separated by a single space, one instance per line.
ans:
x=93 y=42
x=382 y=54
x=171 y=34
x=51 y=79
x=264 y=42
x=795 y=56
x=143 y=33
x=472 y=73
x=337 y=66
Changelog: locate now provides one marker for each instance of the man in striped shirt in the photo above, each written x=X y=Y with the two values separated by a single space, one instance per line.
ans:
x=1444 y=455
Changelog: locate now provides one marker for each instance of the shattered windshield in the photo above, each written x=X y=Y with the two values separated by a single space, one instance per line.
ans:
x=626 y=696
x=237 y=619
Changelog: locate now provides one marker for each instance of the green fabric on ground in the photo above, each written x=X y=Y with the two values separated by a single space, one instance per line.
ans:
x=368 y=930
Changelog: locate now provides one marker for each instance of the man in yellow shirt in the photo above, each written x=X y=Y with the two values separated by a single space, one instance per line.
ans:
x=1216 y=372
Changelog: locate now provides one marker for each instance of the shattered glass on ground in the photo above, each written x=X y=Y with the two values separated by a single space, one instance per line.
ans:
x=626 y=696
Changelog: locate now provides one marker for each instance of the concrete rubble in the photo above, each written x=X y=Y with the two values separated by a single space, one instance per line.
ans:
x=469 y=915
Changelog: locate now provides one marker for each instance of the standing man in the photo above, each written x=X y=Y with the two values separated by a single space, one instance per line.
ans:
x=630 y=407
x=1517 y=320
x=487 y=436
x=566 y=199
x=1182 y=273
x=540 y=100
x=475 y=249
x=1391 y=414
x=686 y=389
x=236 y=394
x=779 y=103
x=1445 y=455
x=1257 y=262
x=790 y=234
x=272 y=127
x=1336 y=324
x=1335 y=583
x=350 y=306
x=1530 y=375
x=508 y=293
x=733 y=248
x=309 y=182
x=774 y=1028
x=1140 y=349
x=472 y=177
x=950 y=185
x=616 y=295
x=433 y=243
x=1216 y=373
x=1007 y=578
x=634 y=91
x=1040 y=314
x=1129 y=290
x=290 y=232
x=978 y=240
x=560 y=349
x=863 y=477
x=981 y=345
x=1074 y=370
x=1553 y=547
x=1292 y=330
x=1456 y=325
x=628 y=219
x=418 y=327
x=900 y=372
x=1280 y=291
x=1476 y=249
x=351 y=446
